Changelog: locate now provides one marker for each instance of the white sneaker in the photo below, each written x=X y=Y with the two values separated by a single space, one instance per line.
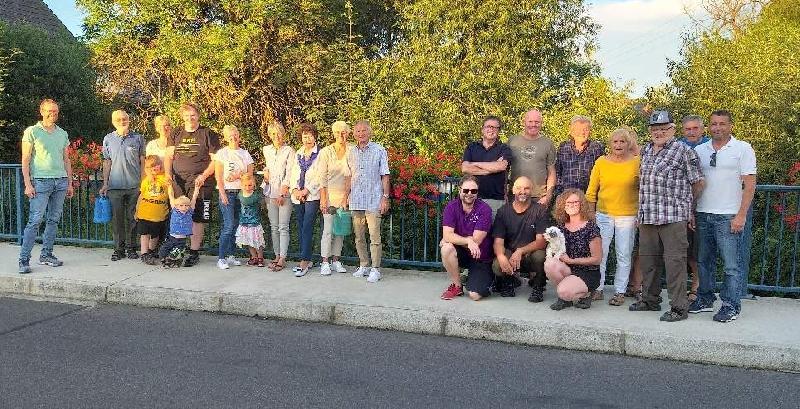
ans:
x=325 y=269
x=222 y=264
x=301 y=271
x=338 y=267
x=232 y=261
x=374 y=275
x=361 y=272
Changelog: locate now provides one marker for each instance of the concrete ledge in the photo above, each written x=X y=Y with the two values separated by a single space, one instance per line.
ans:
x=177 y=299
x=760 y=356
x=435 y=320
x=537 y=333
x=398 y=319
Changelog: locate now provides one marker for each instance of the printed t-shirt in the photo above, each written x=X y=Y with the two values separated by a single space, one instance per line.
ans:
x=251 y=209
x=153 y=199
x=192 y=151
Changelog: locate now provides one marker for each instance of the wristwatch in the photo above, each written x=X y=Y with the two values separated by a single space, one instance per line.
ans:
x=385 y=195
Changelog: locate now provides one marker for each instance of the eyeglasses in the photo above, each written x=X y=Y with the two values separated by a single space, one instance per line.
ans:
x=469 y=191
x=492 y=127
x=713 y=162
x=662 y=129
x=572 y=203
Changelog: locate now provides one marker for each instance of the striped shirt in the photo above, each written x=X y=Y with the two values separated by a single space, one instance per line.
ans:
x=665 y=183
x=367 y=165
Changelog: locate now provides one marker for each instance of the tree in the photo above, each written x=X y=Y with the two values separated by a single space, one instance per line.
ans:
x=755 y=75
x=39 y=65
x=424 y=72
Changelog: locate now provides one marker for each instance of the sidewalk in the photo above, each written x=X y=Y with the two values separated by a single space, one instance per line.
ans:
x=766 y=335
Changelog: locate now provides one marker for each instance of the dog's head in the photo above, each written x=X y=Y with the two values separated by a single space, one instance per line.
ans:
x=551 y=233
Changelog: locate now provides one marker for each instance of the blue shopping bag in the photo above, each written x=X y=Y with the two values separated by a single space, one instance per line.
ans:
x=102 y=210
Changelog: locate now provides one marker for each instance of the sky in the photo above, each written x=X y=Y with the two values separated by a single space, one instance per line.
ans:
x=636 y=39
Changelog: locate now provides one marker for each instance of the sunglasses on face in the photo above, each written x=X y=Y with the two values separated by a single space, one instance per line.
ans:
x=713 y=162
x=469 y=191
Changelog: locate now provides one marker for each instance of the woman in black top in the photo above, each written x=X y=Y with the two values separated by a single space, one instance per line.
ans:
x=577 y=271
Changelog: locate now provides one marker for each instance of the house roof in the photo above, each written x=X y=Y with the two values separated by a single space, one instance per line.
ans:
x=31 y=11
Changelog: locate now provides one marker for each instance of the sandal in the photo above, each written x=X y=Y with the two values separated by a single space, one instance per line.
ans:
x=252 y=262
x=260 y=262
x=275 y=266
x=617 y=300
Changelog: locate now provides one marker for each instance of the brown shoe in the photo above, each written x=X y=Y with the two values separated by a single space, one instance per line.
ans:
x=597 y=295
x=617 y=300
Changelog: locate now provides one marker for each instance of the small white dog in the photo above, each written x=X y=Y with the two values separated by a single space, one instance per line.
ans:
x=556 y=246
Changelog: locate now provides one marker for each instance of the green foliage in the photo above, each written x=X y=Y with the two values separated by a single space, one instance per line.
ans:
x=37 y=65
x=756 y=75
x=424 y=72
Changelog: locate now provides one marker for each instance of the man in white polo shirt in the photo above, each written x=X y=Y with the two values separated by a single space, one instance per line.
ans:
x=729 y=166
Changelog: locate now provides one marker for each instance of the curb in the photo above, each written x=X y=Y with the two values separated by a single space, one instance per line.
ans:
x=546 y=334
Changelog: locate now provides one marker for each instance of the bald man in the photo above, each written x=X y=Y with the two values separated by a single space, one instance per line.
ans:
x=519 y=243
x=534 y=156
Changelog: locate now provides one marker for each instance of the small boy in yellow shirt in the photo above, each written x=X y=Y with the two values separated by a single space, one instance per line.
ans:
x=152 y=208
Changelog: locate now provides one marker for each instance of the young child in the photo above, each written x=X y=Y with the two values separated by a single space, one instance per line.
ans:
x=151 y=208
x=250 y=234
x=180 y=227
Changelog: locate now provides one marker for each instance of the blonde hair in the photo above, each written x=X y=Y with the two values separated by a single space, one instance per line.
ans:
x=183 y=200
x=561 y=216
x=247 y=176
x=229 y=128
x=276 y=126
x=580 y=119
x=161 y=119
x=625 y=132
x=188 y=106
x=339 y=126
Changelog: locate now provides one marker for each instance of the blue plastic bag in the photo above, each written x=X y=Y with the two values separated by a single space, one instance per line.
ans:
x=102 y=210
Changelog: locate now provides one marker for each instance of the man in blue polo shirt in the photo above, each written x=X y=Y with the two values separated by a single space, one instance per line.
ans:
x=123 y=161
x=488 y=161
x=46 y=172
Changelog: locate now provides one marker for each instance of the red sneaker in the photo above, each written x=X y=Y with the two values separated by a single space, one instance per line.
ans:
x=452 y=292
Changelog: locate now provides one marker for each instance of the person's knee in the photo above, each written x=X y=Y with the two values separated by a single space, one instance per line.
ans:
x=448 y=249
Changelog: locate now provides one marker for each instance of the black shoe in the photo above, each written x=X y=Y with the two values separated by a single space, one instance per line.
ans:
x=191 y=259
x=118 y=255
x=536 y=294
x=516 y=281
x=643 y=306
x=560 y=305
x=674 y=315
x=150 y=258
x=132 y=254
x=585 y=302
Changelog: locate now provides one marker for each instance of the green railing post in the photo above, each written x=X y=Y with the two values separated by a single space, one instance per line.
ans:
x=20 y=193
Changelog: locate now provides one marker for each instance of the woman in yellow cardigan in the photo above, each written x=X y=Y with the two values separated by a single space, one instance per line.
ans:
x=614 y=191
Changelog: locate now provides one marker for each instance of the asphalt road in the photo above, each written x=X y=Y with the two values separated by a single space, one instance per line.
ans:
x=71 y=356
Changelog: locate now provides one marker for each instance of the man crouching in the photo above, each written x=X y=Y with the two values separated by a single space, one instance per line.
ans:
x=466 y=223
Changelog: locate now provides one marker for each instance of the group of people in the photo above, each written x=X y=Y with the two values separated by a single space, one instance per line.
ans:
x=161 y=191
x=685 y=202
x=672 y=203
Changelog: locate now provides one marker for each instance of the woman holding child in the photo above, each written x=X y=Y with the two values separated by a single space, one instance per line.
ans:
x=577 y=272
x=230 y=163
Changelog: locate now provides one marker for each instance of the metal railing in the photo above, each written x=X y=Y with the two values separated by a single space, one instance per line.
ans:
x=411 y=234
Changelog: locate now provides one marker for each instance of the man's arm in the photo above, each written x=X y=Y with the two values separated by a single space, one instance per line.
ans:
x=386 y=190
x=68 y=168
x=27 y=149
x=551 y=185
x=106 y=176
x=538 y=244
x=473 y=169
x=737 y=224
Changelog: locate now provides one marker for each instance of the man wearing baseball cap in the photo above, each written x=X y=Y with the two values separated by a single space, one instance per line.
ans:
x=670 y=180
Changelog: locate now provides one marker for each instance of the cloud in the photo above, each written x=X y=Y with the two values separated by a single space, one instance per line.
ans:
x=638 y=15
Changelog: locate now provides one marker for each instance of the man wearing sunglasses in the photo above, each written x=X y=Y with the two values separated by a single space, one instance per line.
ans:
x=670 y=180
x=466 y=222
x=729 y=166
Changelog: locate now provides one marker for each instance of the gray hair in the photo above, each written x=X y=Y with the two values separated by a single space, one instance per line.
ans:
x=692 y=118
x=580 y=119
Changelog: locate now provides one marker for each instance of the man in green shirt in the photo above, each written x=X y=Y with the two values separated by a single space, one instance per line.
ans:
x=46 y=172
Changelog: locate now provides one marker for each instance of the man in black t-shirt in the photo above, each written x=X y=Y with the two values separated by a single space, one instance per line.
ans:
x=488 y=161
x=189 y=163
x=519 y=244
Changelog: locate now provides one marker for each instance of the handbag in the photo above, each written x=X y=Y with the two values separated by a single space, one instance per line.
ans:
x=342 y=223
x=102 y=210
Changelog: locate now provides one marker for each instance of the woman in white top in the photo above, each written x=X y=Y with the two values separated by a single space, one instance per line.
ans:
x=158 y=146
x=230 y=163
x=277 y=160
x=334 y=171
x=304 y=184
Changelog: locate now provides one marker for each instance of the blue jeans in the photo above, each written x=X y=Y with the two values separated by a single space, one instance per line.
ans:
x=714 y=233
x=230 y=222
x=306 y=214
x=48 y=202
